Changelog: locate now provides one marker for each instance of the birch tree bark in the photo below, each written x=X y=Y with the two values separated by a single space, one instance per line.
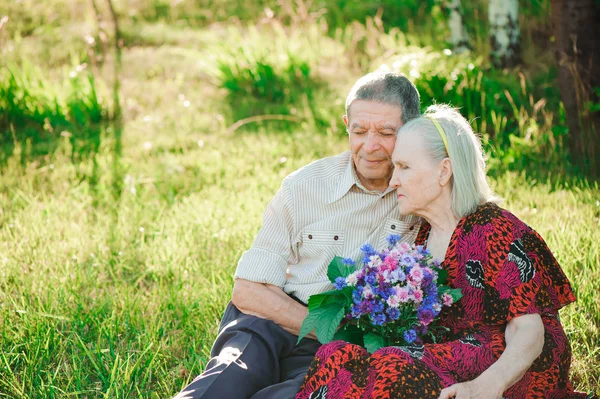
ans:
x=458 y=33
x=504 y=32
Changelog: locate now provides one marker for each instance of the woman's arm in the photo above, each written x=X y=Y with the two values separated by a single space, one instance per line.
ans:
x=524 y=342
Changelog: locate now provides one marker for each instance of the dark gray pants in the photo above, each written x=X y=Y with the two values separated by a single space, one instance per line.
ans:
x=252 y=358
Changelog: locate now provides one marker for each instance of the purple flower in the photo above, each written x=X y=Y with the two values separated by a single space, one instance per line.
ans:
x=340 y=283
x=393 y=239
x=378 y=318
x=425 y=315
x=410 y=336
x=355 y=311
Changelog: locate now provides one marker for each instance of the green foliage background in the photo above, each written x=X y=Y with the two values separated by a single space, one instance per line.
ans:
x=119 y=233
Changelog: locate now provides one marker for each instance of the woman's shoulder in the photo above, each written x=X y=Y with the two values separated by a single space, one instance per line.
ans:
x=491 y=215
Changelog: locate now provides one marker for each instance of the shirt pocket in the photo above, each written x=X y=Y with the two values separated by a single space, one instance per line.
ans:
x=407 y=230
x=321 y=244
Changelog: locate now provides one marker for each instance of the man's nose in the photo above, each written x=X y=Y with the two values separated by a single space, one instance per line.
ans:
x=372 y=142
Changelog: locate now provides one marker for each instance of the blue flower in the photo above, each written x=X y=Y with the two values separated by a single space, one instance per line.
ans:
x=393 y=239
x=393 y=313
x=357 y=296
x=340 y=283
x=410 y=336
x=368 y=250
x=371 y=278
x=377 y=306
x=422 y=250
x=355 y=311
x=348 y=262
x=378 y=318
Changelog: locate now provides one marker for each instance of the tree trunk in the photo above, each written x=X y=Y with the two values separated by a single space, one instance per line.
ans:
x=458 y=32
x=576 y=31
x=504 y=33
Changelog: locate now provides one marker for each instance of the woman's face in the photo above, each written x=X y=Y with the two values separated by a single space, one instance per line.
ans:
x=416 y=177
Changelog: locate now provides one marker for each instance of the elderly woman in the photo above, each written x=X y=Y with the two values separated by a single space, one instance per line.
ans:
x=505 y=337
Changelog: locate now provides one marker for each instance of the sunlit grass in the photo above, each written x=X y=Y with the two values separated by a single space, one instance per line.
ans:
x=115 y=266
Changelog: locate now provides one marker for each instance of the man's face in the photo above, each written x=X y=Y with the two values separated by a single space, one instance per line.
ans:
x=372 y=129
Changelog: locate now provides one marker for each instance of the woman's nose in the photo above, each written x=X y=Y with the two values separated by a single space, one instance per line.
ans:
x=394 y=181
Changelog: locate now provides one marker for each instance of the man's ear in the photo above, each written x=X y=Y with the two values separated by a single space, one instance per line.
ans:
x=345 y=118
x=445 y=172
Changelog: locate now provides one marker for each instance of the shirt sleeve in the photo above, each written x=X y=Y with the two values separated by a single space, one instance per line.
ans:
x=268 y=258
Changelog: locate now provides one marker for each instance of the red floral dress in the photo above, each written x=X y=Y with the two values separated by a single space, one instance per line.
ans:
x=505 y=270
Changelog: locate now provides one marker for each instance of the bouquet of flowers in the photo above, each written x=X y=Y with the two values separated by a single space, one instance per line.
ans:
x=392 y=298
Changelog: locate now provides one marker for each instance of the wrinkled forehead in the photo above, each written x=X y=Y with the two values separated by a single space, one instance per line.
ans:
x=375 y=114
x=408 y=142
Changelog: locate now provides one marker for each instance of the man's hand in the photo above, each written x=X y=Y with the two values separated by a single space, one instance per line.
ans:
x=269 y=302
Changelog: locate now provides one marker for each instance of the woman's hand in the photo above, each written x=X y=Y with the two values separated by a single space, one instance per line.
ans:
x=475 y=389
x=524 y=341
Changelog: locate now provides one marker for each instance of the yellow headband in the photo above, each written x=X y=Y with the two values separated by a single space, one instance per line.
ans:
x=440 y=129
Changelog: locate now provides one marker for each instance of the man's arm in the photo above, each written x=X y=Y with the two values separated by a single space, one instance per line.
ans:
x=269 y=302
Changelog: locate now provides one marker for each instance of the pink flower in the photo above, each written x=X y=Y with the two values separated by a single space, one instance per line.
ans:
x=417 y=295
x=367 y=292
x=402 y=294
x=390 y=263
x=404 y=247
x=395 y=254
x=393 y=301
x=416 y=274
x=447 y=299
x=351 y=279
x=375 y=261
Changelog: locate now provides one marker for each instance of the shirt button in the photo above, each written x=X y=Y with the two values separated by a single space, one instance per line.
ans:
x=310 y=236
x=336 y=238
x=412 y=228
x=393 y=227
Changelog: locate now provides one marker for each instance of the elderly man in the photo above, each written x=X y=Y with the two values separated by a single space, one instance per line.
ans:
x=327 y=208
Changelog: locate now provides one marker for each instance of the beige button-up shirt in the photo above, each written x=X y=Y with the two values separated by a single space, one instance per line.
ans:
x=321 y=211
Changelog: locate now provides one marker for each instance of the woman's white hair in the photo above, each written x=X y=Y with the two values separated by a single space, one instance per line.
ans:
x=469 y=183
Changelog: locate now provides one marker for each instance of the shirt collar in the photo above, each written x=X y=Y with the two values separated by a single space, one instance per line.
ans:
x=350 y=179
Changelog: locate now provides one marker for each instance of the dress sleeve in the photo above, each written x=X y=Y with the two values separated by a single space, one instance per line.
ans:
x=268 y=258
x=531 y=277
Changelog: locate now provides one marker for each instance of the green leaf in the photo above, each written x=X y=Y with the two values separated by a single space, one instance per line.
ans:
x=317 y=300
x=456 y=293
x=309 y=324
x=324 y=320
x=337 y=268
x=374 y=341
x=442 y=276
x=329 y=322
x=350 y=333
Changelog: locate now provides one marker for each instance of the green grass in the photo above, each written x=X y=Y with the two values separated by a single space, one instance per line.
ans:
x=116 y=262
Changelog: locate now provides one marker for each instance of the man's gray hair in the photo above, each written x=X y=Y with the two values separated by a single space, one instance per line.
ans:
x=470 y=187
x=387 y=88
